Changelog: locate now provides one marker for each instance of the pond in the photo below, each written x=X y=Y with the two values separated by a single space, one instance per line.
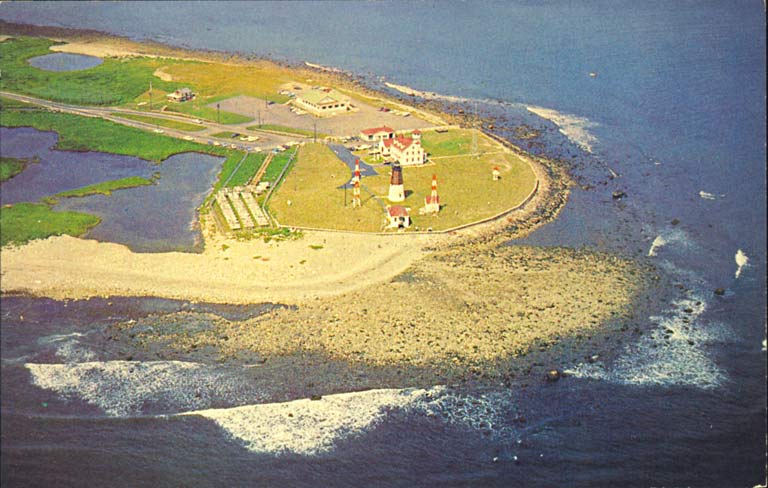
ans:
x=157 y=218
x=65 y=62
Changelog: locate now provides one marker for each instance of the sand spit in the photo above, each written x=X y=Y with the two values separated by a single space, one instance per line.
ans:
x=228 y=271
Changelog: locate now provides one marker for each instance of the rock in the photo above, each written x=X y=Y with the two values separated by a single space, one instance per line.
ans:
x=593 y=358
x=720 y=291
x=618 y=194
x=553 y=375
x=675 y=222
x=316 y=397
x=688 y=310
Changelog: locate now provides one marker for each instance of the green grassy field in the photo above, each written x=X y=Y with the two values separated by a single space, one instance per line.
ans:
x=171 y=124
x=78 y=133
x=311 y=187
x=287 y=130
x=246 y=170
x=225 y=135
x=276 y=165
x=207 y=113
x=465 y=185
x=454 y=142
x=114 y=82
x=103 y=188
x=23 y=222
x=10 y=167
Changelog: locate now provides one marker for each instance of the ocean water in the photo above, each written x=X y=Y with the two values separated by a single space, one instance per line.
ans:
x=674 y=118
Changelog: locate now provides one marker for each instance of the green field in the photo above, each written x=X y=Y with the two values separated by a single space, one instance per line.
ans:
x=311 y=187
x=454 y=142
x=246 y=170
x=24 y=222
x=114 y=82
x=226 y=135
x=78 y=133
x=171 y=124
x=285 y=129
x=103 y=188
x=276 y=166
x=10 y=167
x=207 y=113
x=465 y=186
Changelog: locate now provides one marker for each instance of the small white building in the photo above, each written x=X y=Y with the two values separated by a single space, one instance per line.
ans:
x=398 y=217
x=377 y=134
x=405 y=150
x=322 y=102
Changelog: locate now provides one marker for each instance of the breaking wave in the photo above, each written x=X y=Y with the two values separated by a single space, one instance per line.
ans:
x=671 y=354
x=313 y=427
x=676 y=236
x=123 y=388
x=741 y=261
x=575 y=128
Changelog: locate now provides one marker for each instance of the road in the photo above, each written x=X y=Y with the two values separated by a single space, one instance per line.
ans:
x=266 y=139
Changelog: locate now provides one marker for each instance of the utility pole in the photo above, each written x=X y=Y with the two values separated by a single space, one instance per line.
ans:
x=259 y=117
x=474 y=134
x=315 y=125
x=218 y=113
x=150 y=95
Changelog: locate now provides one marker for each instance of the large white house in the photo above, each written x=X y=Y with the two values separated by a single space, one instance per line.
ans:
x=322 y=102
x=405 y=150
x=377 y=134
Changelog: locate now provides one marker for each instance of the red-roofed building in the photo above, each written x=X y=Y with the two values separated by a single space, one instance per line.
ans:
x=377 y=133
x=398 y=217
x=405 y=150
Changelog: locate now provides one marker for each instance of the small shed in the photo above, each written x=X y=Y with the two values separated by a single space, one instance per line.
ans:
x=398 y=217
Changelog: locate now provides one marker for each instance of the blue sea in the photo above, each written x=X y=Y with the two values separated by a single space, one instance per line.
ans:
x=663 y=101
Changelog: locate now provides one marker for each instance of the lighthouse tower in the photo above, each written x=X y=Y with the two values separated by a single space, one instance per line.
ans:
x=432 y=202
x=396 y=188
x=356 y=178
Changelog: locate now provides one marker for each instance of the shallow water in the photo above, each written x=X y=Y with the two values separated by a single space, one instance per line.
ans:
x=65 y=62
x=677 y=108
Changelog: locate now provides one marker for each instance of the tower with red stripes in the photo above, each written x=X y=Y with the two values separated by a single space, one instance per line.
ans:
x=356 y=178
x=432 y=202
x=356 y=203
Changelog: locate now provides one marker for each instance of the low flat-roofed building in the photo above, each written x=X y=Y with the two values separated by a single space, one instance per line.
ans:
x=181 y=95
x=322 y=102
x=377 y=133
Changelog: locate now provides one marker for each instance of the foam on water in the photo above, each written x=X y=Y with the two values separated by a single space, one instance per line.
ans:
x=707 y=196
x=122 y=388
x=575 y=128
x=68 y=347
x=671 y=354
x=741 y=261
x=676 y=236
x=313 y=427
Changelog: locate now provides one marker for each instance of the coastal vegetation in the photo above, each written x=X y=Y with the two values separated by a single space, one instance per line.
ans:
x=22 y=222
x=10 y=167
x=115 y=82
x=276 y=165
x=247 y=169
x=103 y=188
x=171 y=124
x=78 y=133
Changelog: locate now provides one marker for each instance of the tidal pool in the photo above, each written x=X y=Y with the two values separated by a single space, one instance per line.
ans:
x=65 y=62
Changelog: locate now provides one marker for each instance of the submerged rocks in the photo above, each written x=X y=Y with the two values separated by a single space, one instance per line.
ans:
x=618 y=195
x=719 y=291
x=553 y=375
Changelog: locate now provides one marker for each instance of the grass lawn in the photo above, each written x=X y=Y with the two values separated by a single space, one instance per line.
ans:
x=10 y=167
x=201 y=111
x=246 y=170
x=454 y=142
x=467 y=191
x=465 y=186
x=78 y=133
x=227 y=135
x=287 y=130
x=311 y=187
x=276 y=166
x=24 y=222
x=103 y=188
x=114 y=82
x=171 y=124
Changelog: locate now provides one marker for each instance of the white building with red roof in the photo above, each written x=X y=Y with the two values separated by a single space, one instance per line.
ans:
x=405 y=150
x=377 y=133
x=398 y=217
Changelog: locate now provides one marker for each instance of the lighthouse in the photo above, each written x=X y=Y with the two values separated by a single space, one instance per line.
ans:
x=396 y=189
x=432 y=202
